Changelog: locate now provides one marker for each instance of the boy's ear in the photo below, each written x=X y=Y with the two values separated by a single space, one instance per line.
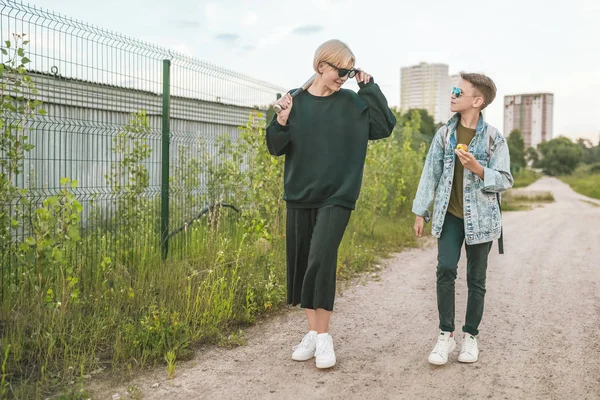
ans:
x=479 y=103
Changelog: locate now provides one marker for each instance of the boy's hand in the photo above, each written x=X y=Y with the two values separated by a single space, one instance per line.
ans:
x=469 y=162
x=419 y=224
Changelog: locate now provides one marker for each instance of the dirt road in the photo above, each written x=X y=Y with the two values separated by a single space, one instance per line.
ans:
x=540 y=335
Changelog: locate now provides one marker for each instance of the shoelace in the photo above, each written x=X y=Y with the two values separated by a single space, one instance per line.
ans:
x=326 y=349
x=469 y=344
x=306 y=342
x=441 y=346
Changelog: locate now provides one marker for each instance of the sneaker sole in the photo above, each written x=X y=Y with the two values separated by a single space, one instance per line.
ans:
x=444 y=362
x=437 y=363
x=325 y=365
x=468 y=361
x=305 y=358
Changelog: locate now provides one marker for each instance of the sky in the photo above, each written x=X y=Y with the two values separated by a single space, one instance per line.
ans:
x=523 y=45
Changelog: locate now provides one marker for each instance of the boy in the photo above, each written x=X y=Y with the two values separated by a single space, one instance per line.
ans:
x=466 y=185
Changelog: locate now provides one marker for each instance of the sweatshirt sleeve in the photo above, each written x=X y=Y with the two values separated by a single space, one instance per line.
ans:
x=278 y=137
x=381 y=118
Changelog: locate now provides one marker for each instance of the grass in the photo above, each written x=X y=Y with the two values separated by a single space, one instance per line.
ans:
x=584 y=182
x=139 y=315
x=590 y=203
x=359 y=250
x=524 y=201
x=510 y=206
x=525 y=178
x=133 y=314
x=135 y=393
x=545 y=197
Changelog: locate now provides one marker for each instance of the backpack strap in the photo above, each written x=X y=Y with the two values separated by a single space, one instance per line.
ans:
x=490 y=134
x=501 y=238
x=446 y=137
x=491 y=145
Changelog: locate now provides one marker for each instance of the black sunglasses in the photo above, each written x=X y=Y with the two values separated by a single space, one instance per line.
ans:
x=342 y=72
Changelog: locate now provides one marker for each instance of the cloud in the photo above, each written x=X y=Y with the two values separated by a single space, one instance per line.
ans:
x=307 y=29
x=250 y=19
x=187 y=24
x=227 y=37
x=210 y=10
x=277 y=36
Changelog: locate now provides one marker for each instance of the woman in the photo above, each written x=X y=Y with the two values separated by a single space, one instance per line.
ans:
x=323 y=133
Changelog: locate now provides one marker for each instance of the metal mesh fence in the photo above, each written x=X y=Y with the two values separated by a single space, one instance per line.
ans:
x=134 y=124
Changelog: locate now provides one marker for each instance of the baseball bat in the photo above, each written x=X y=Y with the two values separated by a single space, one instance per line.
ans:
x=296 y=92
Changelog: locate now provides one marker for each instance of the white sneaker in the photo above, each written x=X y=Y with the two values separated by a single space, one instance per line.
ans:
x=444 y=346
x=305 y=350
x=469 y=352
x=325 y=356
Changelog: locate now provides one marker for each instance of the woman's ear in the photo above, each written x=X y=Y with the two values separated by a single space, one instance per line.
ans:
x=321 y=67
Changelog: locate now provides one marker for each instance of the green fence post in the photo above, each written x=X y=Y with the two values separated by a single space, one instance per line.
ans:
x=166 y=144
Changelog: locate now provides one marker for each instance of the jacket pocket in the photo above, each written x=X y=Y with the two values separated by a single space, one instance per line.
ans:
x=488 y=212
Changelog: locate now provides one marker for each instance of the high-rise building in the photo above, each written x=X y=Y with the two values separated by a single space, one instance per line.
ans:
x=530 y=113
x=426 y=86
x=454 y=80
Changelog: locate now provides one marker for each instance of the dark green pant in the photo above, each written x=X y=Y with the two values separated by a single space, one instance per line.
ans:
x=449 y=248
x=313 y=237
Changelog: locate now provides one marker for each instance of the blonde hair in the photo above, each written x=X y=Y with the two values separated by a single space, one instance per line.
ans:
x=335 y=52
x=484 y=85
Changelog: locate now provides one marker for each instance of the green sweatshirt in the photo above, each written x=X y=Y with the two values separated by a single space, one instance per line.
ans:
x=325 y=144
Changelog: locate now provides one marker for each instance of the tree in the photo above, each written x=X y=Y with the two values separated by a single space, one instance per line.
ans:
x=560 y=156
x=421 y=118
x=591 y=153
x=532 y=157
x=516 y=148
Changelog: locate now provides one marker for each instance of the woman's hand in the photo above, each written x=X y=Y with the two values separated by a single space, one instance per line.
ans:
x=286 y=103
x=362 y=76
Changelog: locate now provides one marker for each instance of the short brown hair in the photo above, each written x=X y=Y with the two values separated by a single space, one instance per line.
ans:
x=483 y=84
x=336 y=52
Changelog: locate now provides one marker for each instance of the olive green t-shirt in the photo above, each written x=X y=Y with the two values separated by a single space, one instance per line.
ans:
x=455 y=207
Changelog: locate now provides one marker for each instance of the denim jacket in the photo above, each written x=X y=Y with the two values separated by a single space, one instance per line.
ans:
x=482 y=217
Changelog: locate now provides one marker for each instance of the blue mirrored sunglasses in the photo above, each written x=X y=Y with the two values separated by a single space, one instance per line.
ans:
x=456 y=91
